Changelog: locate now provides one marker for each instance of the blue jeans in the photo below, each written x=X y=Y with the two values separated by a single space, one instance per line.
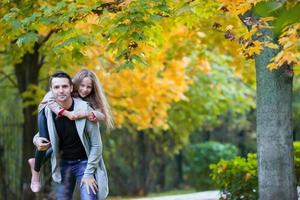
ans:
x=72 y=172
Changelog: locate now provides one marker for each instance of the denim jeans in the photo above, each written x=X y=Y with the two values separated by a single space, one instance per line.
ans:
x=72 y=173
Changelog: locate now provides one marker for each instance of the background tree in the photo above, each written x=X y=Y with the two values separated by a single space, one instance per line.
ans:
x=274 y=92
x=47 y=35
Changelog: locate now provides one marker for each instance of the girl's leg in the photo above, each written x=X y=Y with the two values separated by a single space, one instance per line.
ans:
x=35 y=178
x=43 y=132
x=36 y=163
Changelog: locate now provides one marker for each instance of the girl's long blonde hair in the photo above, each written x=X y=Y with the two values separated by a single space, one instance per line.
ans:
x=97 y=98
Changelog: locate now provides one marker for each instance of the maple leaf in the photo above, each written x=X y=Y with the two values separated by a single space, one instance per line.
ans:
x=254 y=48
x=271 y=45
x=229 y=35
x=217 y=25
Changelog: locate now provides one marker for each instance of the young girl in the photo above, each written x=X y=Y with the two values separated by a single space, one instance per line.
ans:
x=85 y=86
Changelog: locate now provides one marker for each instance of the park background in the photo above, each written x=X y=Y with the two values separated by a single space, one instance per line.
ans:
x=180 y=77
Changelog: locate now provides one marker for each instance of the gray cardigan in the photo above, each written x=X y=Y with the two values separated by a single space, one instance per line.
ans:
x=90 y=137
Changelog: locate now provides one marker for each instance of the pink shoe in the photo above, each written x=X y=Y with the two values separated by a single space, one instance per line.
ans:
x=35 y=177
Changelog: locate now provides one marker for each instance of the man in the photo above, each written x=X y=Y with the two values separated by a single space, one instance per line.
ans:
x=77 y=146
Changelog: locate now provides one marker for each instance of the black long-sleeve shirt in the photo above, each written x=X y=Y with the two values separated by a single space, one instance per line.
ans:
x=70 y=144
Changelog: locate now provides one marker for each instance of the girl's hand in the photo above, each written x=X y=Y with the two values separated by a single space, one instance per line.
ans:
x=91 y=117
x=71 y=115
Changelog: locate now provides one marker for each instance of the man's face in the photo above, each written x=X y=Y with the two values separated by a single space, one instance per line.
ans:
x=61 y=89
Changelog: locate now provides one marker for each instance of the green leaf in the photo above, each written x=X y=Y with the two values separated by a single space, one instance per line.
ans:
x=29 y=37
x=164 y=8
x=156 y=17
x=137 y=36
x=29 y=20
x=265 y=9
x=184 y=10
x=286 y=17
x=16 y=24
x=283 y=15
x=138 y=59
x=127 y=65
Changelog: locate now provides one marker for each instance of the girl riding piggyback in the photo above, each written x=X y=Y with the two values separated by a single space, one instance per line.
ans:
x=85 y=86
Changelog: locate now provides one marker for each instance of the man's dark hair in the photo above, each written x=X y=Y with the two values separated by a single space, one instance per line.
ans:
x=60 y=74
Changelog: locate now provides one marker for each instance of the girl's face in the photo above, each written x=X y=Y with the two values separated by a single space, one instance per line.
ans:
x=85 y=87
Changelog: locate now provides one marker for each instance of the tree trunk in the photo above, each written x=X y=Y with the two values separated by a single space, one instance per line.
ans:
x=3 y=184
x=27 y=73
x=241 y=143
x=161 y=174
x=274 y=129
x=142 y=166
x=179 y=177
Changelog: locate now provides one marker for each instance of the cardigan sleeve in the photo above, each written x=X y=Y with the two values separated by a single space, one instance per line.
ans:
x=95 y=148
x=99 y=115
x=49 y=101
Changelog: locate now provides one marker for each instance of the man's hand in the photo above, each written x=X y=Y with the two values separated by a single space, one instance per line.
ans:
x=42 y=144
x=90 y=183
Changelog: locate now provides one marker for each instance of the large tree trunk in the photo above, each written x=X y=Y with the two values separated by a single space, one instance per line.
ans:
x=3 y=183
x=241 y=143
x=27 y=73
x=179 y=176
x=161 y=174
x=143 y=163
x=274 y=129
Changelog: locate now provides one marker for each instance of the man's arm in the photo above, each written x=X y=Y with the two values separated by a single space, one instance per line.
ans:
x=95 y=155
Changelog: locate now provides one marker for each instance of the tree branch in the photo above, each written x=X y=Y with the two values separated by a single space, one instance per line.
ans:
x=111 y=7
x=244 y=16
x=7 y=76
x=41 y=62
x=48 y=36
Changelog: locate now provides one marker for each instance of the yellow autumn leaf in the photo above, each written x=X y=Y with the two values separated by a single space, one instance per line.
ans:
x=271 y=45
x=266 y=19
x=145 y=97
x=44 y=30
x=126 y=21
x=247 y=177
x=255 y=48
x=229 y=27
x=92 y=19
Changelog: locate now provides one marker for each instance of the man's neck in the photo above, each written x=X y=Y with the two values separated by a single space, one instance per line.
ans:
x=66 y=104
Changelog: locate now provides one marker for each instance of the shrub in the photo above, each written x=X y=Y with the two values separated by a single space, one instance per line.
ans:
x=297 y=161
x=199 y=156
x=237 y=178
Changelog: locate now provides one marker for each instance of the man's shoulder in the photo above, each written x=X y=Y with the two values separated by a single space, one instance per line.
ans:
x=80 y=101
x=80 y=104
